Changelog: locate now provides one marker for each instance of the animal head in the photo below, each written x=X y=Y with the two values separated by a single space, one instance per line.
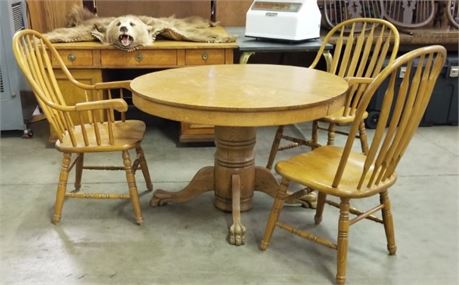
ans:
x=126 y=32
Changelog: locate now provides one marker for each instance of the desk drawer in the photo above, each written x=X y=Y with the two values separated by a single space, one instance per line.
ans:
x=204 y=56
x=74 y=58
x=139 y=58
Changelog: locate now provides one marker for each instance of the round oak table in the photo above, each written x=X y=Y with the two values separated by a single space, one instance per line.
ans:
x=236 y=99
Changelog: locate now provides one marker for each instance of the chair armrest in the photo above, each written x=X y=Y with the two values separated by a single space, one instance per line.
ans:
x=358 y=80
x=113 y=85
x=125 y=84
x=117 y=104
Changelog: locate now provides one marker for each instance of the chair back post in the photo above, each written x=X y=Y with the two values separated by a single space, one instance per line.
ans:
x=361 y=47
x=87 y=123
x=401 y=113
x=30 y=50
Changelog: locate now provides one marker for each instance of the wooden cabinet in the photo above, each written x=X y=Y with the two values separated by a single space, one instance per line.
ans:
x=88 y=61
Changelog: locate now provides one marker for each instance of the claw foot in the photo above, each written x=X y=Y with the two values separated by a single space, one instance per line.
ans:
x=236 y=234
x=160 y=198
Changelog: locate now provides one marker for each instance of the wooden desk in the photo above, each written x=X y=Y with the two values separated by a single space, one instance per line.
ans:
x=236 y=98
x=89 y=60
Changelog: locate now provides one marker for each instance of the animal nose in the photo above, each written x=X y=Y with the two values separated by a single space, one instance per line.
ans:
x=123 y=29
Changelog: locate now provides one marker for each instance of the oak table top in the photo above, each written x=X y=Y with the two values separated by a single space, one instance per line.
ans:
x=239 y=95
x=236 y=99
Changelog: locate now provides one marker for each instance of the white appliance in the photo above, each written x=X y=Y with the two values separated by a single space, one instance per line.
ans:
x=293 y=20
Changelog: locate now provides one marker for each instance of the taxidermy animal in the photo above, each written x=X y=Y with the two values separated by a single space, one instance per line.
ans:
x=131 y=32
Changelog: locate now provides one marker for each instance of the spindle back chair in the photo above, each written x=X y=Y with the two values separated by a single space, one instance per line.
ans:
x=346 y=174
x=338 y=11
x=85 y=127
x=452 y=12
x=409 y=14
x=362 y=47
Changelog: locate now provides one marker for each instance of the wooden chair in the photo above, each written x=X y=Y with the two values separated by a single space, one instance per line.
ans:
x=361 y=47
x=452 y=12
x=337 y=11
x=346 y=174
x=409 y=14
x=82 y=128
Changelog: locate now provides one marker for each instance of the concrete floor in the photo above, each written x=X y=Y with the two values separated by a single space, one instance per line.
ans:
x=97 y=242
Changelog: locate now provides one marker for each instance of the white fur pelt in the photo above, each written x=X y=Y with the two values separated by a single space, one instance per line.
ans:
x=131 y=32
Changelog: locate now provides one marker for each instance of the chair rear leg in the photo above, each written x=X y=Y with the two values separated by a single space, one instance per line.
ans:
x=363 y=138
x=331 y=134
x=61 y=188
x=278 y=204
x=275 y=146
x=320 y=207
x=133 y=194
x=388 y=222
x=343 y=231
x=78 y=171
x=144 y=167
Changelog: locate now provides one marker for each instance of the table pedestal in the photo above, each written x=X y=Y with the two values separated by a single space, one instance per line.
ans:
x=234 y=177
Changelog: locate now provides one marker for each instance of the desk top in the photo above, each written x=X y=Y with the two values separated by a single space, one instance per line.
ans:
x=239 y=95
x=247 y=44
x=159 y=44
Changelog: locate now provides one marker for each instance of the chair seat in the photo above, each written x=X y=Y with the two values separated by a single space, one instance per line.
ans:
x=317 y=170
x=126 y=135
x=339 y=119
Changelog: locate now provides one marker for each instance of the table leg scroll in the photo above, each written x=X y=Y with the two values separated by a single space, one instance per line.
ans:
x=236 y=234
x=203 y=181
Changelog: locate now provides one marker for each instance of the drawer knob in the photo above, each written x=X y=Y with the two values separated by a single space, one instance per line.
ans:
x=71 y=57
x=204 y=55
x=138 y=56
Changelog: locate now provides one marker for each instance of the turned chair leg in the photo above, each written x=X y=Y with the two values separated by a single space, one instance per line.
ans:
x=275 y=146
x=78 y=172
x=274 y=215
x=144 y=167
x=315 y=134
x=61 y=188
x=363 y=138
x=388 y=222
x=331 y=134
x=320 y=207
x=343 y=231
x=133 y=194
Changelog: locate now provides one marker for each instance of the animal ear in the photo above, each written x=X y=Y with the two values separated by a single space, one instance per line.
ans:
x=99 y=33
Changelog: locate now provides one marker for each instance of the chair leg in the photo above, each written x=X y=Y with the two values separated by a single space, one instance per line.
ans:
x=343 y=230
x=144 y=167
x=79 y=171
x=314 y=134
x=134 y=195
x=388 y=222
x=275 y=146
x=61 y=188
x=363 y=138
x=331 y=134
x=320 y=207
x=274 y=215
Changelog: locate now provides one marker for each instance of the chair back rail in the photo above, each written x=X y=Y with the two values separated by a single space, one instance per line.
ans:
x=33 y=52
x=402 y=110
x=361 y=47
